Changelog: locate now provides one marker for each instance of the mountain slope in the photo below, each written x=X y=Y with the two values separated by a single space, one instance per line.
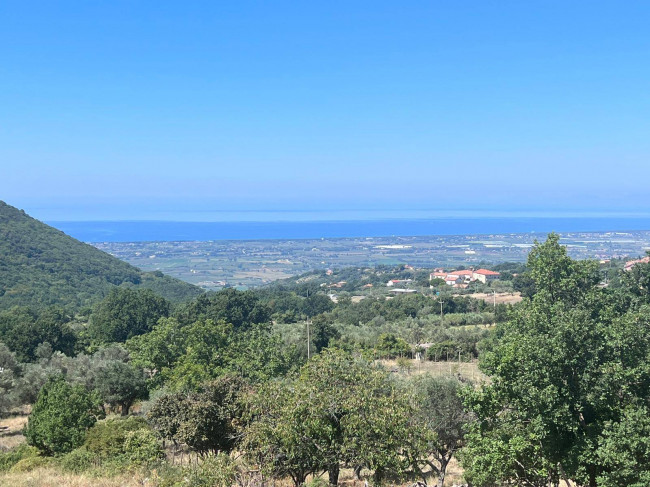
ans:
x=40 y=266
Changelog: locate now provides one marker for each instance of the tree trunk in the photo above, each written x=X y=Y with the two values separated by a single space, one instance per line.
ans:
x=299 y=479
x=378 y=476
x=125 y=408
x=357 y=472
x=333 y=473
x=442 y=471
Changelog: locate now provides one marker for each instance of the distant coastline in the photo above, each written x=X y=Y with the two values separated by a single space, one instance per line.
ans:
x=147 y=231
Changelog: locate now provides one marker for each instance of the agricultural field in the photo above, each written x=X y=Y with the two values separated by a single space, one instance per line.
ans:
x=252 y=263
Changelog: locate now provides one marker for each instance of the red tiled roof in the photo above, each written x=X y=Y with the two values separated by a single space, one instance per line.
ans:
x=486 y=272
x=632 y=263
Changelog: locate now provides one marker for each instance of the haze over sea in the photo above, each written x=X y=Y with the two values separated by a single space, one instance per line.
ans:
x=342 y=224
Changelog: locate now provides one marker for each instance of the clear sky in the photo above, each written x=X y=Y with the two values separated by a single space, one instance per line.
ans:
x=145 y=110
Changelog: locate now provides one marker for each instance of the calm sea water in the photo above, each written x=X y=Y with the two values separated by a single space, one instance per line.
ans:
x=132 y=231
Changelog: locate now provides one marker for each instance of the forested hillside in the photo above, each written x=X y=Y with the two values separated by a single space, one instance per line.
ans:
x=41 y=266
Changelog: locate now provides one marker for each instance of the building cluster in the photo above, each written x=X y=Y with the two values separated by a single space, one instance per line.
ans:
x=631 y=263
x=461 y=279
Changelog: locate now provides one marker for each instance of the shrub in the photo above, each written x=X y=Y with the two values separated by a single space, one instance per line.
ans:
x=142 y=446
x=61 y=416
x=166 y=475
x=215 y=471
x=10 y=458
x=78 y=461
x=107 y=438
x=317 y=482
x=31 y=463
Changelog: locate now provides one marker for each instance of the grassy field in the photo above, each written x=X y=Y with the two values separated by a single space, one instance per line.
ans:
x=466 y=370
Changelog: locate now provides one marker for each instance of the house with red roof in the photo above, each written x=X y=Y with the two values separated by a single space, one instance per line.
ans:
x=485 y=275
x=632 y=263
x=460 y=279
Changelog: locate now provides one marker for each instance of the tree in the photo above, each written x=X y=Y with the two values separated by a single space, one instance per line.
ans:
x=636 y=283
x=317 y=304
x=557 y=277
x=238 y=308
x=61 y=416
x=437 y=282
x=563 y=370
x=23 y=330
x=9 y=371
x=275 y=439
x=624 y=450
x=441 y=418
x=207 y=420
x=120 y=384
x=258 y=354
x=321 y=332
x=158 y=350
x=339 y=411
x=391 y=346
x=187 y=356
x=125 y=313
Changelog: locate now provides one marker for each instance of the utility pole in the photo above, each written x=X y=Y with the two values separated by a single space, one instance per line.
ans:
x=308 y=341
x=441 y=316
x=308 y=337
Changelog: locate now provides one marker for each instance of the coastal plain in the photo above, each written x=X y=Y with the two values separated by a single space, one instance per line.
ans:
x=252 y=263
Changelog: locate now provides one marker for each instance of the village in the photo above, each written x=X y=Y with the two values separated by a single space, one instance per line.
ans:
x=460 y=279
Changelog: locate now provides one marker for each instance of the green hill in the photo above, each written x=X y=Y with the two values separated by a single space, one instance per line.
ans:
x=41 y=266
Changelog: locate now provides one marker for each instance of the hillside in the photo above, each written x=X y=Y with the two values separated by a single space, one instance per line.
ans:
x=41 y=266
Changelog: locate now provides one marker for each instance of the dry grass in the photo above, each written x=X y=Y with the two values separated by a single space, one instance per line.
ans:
x=466 y=370
x=500 y=298
x=12 y=436
x=51 y=477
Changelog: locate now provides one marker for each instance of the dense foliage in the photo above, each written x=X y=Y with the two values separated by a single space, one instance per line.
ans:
x=570 y=382
x=125 y=313
x=61 y=416
x=23 y=330
x=207 y=420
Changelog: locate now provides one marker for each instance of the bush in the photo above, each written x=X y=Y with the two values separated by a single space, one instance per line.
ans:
x=61 y=416
x=317 y=482
x=143 y=446
x=215 y=471
x=107 y=438
x=12 y=457
x=166 y=475
x=78 y=461
x=31 y=463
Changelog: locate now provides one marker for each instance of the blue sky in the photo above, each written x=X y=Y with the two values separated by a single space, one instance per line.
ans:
x=147 y=110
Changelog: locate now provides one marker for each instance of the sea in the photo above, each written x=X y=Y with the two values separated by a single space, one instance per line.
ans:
x=170 y=231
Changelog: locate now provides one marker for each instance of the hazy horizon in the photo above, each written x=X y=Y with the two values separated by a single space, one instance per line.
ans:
x=379 y=214
x=124 y=111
